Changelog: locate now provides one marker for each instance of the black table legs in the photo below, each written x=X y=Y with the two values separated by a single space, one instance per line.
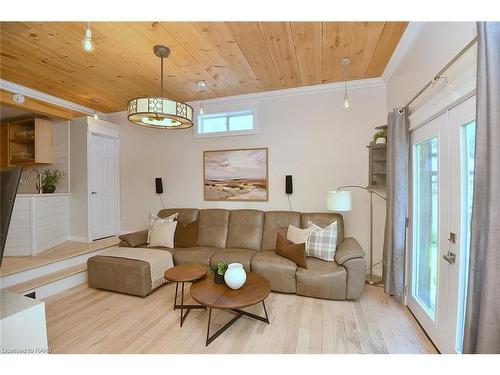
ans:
x=182 y=306
x=239 y=313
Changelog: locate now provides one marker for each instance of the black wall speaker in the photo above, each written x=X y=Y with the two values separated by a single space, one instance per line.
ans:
x=288 y=184
x=159 y=185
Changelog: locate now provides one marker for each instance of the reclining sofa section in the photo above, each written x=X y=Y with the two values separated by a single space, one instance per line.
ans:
x=247 y=237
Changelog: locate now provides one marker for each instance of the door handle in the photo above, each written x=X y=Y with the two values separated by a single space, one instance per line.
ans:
x=94 y=192
x=450 y=257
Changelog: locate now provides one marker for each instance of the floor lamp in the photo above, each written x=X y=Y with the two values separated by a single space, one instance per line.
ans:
x=340 y=200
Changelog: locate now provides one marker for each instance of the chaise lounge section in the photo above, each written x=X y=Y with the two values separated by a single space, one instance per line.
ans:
x=247 y=237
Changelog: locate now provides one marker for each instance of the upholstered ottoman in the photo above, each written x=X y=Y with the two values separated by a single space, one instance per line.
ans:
x=135 y=271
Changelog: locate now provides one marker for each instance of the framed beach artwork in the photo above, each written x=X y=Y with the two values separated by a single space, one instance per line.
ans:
x=236 y=175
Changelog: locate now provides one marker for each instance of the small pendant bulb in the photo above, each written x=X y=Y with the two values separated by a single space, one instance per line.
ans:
x=87 y=40
x=346 y=97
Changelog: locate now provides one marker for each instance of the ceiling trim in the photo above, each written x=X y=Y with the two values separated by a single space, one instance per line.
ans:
x=294 y=91
x=404 y=44
x=41 y=96
x=38 y=107
x=315 y=89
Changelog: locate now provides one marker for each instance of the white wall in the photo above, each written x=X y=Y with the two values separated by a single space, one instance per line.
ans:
x=310 y=136
x=424 y=49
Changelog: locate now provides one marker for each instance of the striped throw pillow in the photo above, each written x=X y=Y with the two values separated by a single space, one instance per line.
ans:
x=322 y=242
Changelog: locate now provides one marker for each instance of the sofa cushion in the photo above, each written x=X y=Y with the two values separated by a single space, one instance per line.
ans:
x=194 y=255
x=234 y=255
x=212 y=228
x=186 y=215
x=277 y=222
x=185 y=234
x=324 y=219
x=161 y=233
x=245 y=229
x=279 y=271
x=322 y=280
x=296 y=252
x=321 y=243
x=134 y=239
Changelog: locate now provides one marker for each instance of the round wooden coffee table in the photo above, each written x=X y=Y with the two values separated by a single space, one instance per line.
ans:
x=181 y=274
x=220 y=296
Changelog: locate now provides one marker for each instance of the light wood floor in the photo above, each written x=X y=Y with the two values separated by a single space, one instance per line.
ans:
x=85 y=320
x=68 y=249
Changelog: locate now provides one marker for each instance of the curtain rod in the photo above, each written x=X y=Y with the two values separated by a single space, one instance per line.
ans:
x=437 y=76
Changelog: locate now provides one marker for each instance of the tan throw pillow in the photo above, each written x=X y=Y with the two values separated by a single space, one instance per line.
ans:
x=162 y=233
x=185 y=235
x=322 y=242
x=297 y=235
x=296 y=252
x=153 y=219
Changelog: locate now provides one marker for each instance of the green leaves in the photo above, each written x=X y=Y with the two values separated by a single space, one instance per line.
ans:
x=220 y=268
x=51 y=177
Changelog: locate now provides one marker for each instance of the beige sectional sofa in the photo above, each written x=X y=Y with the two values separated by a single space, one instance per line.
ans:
x=247 y=237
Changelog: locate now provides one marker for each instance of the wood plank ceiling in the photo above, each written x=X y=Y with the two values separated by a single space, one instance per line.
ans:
x=231 y=57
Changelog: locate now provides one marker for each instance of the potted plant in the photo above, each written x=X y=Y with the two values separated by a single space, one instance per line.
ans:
x=219 y=270
x=50 y=178
x=380 y=136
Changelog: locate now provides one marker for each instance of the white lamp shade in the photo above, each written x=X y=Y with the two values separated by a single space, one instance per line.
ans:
x=339 y=200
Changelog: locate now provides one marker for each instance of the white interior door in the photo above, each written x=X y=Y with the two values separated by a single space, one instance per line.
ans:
x=103 y=193
x=442 y=171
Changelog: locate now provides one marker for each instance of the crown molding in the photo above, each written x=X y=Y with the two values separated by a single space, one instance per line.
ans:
x=305 y=90
x=412 y=31
x=255 y=97
x=26 y=91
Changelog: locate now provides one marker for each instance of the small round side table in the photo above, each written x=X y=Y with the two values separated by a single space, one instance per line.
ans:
x=190 y=272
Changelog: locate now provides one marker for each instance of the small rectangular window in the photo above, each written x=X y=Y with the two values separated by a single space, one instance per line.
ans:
x=232 y=123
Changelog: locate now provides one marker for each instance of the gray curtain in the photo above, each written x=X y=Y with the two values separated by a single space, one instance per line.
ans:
x=482 y=320
x=397 y=188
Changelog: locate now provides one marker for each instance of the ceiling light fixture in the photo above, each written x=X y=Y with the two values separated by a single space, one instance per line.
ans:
x=201 y=85
x=87 y=40
x=345 y=62
x=157 y=111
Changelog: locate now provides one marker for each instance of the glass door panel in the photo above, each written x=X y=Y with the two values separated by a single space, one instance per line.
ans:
x=467 y=151
x=425 y=254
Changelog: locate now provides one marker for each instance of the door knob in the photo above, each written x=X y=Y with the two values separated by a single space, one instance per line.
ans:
x=450 y=257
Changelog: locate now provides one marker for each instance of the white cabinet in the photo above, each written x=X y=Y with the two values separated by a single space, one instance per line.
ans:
x=39 y=222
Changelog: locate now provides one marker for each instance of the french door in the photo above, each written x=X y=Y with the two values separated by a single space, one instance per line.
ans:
x=442 y=172
x=103 y=169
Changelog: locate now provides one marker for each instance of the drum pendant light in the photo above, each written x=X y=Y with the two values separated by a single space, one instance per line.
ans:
x=157 y=111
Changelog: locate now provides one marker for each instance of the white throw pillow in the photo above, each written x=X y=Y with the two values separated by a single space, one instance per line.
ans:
x=162 y=233
x=322 y=242
x=153 y=219
x=297 y=235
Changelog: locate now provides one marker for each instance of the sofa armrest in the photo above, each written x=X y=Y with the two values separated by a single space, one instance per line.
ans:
x=134 y=239
x=348 y=249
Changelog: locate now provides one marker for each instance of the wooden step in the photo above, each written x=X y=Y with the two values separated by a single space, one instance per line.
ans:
x=66 y=250
x=46 y=279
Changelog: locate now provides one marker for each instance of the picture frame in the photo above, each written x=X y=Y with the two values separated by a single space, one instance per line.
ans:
x=236 y=175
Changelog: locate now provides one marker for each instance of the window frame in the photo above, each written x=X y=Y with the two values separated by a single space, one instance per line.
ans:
x=228 y=113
